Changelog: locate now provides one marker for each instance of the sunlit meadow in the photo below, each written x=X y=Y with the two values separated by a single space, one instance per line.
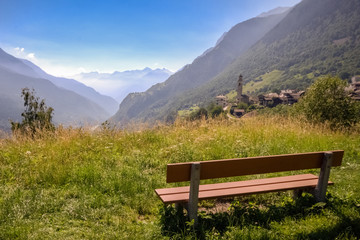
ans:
x=99 y=184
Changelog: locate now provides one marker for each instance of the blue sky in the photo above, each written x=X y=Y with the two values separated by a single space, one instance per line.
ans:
x=65 y=37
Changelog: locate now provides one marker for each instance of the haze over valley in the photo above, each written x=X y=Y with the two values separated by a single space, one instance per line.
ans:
x=119 y=84
x=281 y=48
x=180 y=119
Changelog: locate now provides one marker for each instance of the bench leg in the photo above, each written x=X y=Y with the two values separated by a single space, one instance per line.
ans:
x=194 y=192
x=320 y=190
x=297 y=193
x=178 y=206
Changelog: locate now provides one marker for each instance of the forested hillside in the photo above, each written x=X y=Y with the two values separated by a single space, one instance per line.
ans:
x=316 y=37
x=150 y=104
x=109 y=104
x=69 y=107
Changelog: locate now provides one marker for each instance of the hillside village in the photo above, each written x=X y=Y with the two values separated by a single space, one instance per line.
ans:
x=354 y=88
x=286 y=96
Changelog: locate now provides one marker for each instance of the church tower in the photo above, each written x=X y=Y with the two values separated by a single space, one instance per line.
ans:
x=239 y=89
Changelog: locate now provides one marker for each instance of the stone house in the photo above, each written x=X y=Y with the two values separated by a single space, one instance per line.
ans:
x=288 y=97
x=221 y=101
x=239 y=112
x=354 y=88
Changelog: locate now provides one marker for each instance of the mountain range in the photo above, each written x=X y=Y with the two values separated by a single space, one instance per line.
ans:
x=119 y=84
x=286 y=48
x=104 y=101
x=74 y=103
x=272 y=51
x=155 y=103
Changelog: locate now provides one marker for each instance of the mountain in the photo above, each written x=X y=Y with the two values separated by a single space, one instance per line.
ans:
x=69 y=107
x=120 y=84
x=157 y=101
x=106 y=102
x=316 y=37
x=274 y=11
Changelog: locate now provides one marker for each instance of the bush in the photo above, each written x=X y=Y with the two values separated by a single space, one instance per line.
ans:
x=202 y=112
x=243 y=105
x=327 y=101
x=215 y=111
x=281 y=109
x=212 y=111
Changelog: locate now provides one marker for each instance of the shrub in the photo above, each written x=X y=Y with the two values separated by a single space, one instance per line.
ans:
x=215 y=111
x=202 y=112
x=242 y=105
x=327 y=101
x=281 y=109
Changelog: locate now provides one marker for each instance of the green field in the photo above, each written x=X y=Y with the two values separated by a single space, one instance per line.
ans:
x=188 y=111
x=262 y=81
x=82 y=184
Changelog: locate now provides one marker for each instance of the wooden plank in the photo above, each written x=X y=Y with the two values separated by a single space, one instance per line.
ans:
x=214 y=186
x=180 y=172
x=229 y=185
x=232 y=192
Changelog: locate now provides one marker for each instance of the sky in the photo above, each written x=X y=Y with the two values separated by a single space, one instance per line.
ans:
x=66 y=37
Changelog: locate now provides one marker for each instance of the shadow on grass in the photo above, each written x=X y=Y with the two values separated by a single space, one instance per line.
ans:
x=174 y=222
x=348 y=211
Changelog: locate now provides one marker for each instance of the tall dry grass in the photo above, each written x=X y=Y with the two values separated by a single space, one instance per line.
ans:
x=81 y=183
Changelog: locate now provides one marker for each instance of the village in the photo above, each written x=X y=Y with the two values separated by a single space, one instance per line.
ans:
x=286 y=97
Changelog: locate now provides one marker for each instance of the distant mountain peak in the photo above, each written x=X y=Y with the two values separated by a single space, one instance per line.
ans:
x=160 y=99
x=120 y=83
x=274 y=11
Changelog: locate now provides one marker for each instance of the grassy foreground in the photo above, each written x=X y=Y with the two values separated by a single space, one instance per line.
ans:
x=79 y=184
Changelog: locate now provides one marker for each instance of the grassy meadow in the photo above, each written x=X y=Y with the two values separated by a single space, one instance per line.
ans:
x=82 y=184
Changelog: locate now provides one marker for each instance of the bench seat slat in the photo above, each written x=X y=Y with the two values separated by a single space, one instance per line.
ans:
x=209 y=191
x=209 y=187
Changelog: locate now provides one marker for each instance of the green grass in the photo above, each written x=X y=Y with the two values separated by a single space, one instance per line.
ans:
x=187 y=112
x=79 y=184
x=231 y=96
x=264 y=80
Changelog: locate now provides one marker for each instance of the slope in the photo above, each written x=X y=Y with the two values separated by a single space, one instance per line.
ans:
x=70 y=108
x=119 y=84
x=151 y=105
x=106 y=102
x=317 y=37
x=27 y=68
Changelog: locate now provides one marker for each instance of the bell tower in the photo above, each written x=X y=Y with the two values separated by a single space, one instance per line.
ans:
x=239 y=88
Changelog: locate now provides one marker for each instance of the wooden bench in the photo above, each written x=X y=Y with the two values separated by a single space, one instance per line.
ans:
x=196 y=171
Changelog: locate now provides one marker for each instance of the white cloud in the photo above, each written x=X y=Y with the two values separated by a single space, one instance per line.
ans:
x=19 y=50
x=21 y=53
x=81 y=69
x=59 y=70
x=49 y=66
x=31 y=56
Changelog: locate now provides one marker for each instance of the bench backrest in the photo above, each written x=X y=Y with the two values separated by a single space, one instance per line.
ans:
x=179 y=172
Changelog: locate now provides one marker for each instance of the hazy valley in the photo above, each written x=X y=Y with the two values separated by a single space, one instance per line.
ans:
x=286 y=48
x=282 y=83
x=312 y=39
